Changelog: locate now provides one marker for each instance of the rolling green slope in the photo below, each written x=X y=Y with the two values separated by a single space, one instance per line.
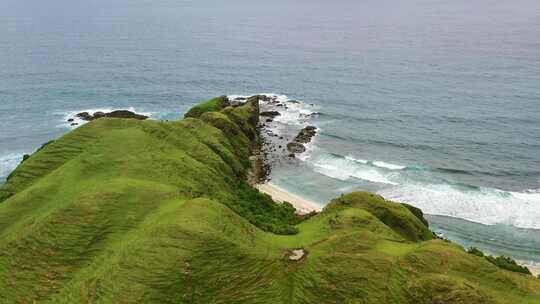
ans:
x=127 y=211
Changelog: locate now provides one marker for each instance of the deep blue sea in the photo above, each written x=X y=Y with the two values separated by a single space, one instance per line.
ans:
x=431 y=102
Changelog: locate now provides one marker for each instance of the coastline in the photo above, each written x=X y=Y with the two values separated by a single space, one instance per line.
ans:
x=280 y=195
x=261 y=167
x=304 y=206
x=534 y=269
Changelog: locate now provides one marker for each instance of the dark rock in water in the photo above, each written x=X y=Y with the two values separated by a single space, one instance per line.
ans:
x=293 y=101
x=269 y=120
x=125 y=114
x=25 y=157
x=74 y=124
x=270 y=113
x=265 y=98
x=306 y=134
x=304 y=137
x=296 y=147
x=71 y=120
x=291 y=155
x=314 y=114
x=85 y=116
x=280 y=105
x=98 y=115
x=238 y=101
x=114 y=114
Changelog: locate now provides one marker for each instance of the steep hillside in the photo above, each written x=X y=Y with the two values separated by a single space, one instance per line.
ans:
x=127 y=211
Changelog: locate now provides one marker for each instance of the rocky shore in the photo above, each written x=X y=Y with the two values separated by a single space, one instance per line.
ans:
x=279 y=142
x=86 y=116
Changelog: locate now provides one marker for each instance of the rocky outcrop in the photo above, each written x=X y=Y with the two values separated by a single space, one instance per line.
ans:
x=306 y=134
x=114 y=114
x=297 y=145
x=84 y=116
x=270 y=114
x=295 y=148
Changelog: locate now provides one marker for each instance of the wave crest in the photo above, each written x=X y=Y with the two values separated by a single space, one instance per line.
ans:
x=8 y=163
x=486 y=205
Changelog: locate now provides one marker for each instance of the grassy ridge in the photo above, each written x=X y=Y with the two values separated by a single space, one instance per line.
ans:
x=212 y=105
x=126 y=211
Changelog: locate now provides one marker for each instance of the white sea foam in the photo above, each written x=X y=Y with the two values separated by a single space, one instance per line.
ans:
x=235 y=96
x=529 y=195
x=297 y=114
x=8 y=162
x=79 y=122
x=346 y=168
x=485 y=205
x=388 y=165
x=310 y=148
x=376 y=163
x=482 y=205
x=292 y=113
x=362 y=161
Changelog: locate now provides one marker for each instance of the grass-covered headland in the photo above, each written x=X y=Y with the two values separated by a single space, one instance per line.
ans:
x=129 y=211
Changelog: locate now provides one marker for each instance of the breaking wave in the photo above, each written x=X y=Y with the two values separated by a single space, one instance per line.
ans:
x=346 y=168
x=436 y=196
x=8 y=163
x=488 y=206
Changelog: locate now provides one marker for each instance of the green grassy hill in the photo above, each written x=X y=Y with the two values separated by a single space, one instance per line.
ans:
x=127 y=211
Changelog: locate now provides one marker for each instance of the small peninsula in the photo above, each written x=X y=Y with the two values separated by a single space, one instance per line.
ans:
x=124 y=210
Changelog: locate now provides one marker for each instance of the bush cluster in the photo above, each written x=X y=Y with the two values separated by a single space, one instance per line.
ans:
x=259 y=209
x=502 y=262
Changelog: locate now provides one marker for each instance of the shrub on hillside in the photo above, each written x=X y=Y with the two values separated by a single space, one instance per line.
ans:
x=475 y=251
x=502 y=262
x=508 y=264
x=262 y=211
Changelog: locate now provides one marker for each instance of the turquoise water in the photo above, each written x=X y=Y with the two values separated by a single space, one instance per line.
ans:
x=436 y=103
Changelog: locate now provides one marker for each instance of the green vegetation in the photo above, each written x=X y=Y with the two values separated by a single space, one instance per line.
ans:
x=128 y=211
x=502 y=262
x=507 y=263
x=475 y=251
x=213 y=105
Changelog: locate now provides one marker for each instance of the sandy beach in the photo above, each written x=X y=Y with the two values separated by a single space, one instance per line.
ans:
x=280 y=195
x=535 y=270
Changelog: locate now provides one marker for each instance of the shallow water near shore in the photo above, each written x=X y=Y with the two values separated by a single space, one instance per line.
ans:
x=432 y=103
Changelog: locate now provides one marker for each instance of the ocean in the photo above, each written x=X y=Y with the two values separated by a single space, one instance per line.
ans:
x=435 y=103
